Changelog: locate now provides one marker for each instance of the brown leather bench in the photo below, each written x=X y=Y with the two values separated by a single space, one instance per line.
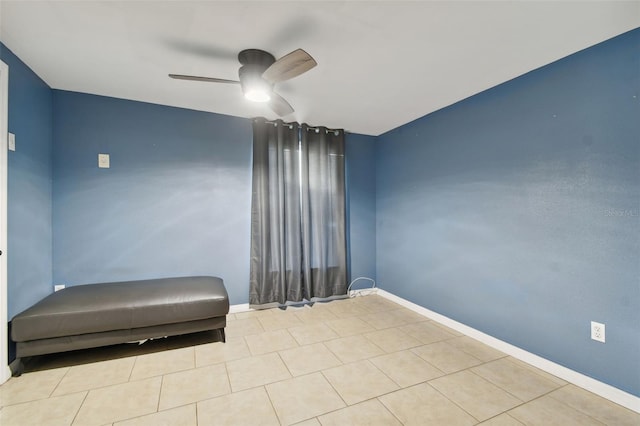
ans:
x=87 y=316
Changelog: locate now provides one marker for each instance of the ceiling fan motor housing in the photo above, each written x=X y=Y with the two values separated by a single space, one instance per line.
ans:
x=256 y=57
x=254 y=63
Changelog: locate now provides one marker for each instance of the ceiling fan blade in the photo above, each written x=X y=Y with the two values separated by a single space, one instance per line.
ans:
x=289 y=66
x=206 y=79
x=279 y=105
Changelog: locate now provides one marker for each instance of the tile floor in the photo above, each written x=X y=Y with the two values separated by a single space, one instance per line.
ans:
x=361 y=361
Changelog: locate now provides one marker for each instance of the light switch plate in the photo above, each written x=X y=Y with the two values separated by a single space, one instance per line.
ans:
x=103 y=161
x=12 y=142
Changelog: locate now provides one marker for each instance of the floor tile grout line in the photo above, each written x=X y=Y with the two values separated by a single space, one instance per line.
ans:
x=383 y=373
x=548 y=394
x=160 y=393
x=131 y=370
x=153 y=412
x=504 y=355
x=504 y=413
x=273 y=407
x=535 y=370
x=454 y=402
x=135 y=361
x=268 y=383
x=389 y=410
x=80 y=390
x=377 y=397
x=92 y=388
x=393 y=380
x=2 y=407
x=371 y=340
x=347 y=406
x=335 y=390
x=576 y=408
x=226 y=370
x=514 y=419
x=285 y=365
x=58 y=384
x=326 y=380
x=472 y=356
x=467 y=369
x=478 y=365
x=79 y=408
x=231 y=391
x=400 y=388
x=470 y=369
x=446 y=373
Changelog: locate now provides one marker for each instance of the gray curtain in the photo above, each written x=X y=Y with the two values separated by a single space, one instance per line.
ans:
x=298 y=238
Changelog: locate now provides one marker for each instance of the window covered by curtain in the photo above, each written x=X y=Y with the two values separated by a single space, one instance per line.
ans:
x=298 y=230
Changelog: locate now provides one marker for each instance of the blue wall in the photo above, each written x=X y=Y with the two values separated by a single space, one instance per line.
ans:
x=517 y=211
x=175 y=202
x=177 y=198
x=361 y=195
x=29 y=236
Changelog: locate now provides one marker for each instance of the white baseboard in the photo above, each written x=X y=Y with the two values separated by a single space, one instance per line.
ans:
x=244 y=307
x=609 y=392
x=363 y=292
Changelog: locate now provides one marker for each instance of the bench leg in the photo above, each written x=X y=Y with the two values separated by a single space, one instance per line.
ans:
x=222 y=336
x=17 y=367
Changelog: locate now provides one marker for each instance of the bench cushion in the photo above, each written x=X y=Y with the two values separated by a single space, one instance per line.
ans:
x=95 y=308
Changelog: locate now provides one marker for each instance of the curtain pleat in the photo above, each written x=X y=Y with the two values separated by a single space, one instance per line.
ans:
x=275 y=272
x=298 y=224
x=323 y=189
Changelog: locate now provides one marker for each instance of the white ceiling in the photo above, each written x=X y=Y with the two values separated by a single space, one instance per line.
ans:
x=381 y=64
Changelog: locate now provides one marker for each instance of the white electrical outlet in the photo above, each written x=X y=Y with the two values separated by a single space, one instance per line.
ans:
x=597 y=331
x=58 y=287
x=12 y=142
x=103 y=161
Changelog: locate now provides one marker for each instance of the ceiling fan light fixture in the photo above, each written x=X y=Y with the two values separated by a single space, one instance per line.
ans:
x=257 y=94
x=254 y=87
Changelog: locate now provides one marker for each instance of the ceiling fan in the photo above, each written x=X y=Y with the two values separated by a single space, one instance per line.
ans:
x=260 y=72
